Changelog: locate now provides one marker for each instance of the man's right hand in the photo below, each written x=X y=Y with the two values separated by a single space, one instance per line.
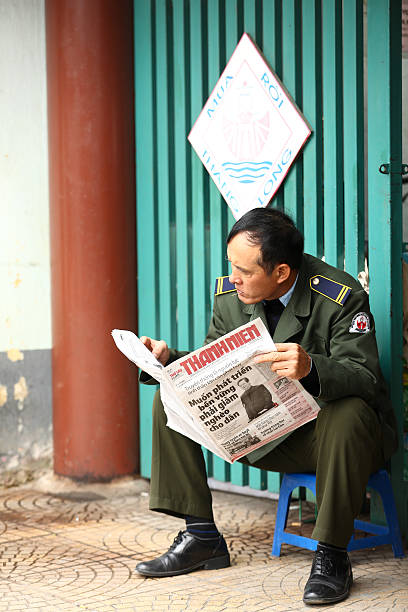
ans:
x=159 y=349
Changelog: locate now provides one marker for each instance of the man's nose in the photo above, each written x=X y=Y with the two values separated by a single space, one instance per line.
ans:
x=234 y=278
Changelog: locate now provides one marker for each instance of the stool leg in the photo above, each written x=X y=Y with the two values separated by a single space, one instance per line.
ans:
x=381 y=482
x=285 y=495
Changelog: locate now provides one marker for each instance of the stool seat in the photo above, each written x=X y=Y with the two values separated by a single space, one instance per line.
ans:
x=381 y=534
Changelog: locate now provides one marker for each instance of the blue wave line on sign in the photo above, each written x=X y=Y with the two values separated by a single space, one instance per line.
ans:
x=246 y=172
x=253 y=164
x=248 y=168
x=240 y=176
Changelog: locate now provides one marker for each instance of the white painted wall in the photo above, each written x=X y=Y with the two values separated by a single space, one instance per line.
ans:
x=25 y=313
x=405 y=139
x=25 y=317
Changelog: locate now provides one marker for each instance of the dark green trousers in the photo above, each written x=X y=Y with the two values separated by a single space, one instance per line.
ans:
x=343 y=446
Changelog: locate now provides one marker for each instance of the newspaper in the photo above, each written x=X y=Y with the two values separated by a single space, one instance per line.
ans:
x=219 y=397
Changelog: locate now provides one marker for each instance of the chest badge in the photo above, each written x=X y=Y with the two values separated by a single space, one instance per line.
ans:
x=360 y=324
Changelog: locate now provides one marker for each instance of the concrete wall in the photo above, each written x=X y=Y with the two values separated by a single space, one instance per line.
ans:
x=25 y=318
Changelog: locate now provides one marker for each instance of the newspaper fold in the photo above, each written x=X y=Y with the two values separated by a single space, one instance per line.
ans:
x=219 y=397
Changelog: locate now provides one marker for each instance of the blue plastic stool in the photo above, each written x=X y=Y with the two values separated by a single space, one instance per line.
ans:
x=389 y=534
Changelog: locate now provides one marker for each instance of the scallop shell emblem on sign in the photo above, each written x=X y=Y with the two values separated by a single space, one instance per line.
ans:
x=249 y=131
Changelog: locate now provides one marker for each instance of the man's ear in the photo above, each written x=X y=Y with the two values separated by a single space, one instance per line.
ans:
x=282 y=272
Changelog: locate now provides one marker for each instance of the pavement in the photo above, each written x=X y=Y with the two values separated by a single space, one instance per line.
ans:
x=67 y=546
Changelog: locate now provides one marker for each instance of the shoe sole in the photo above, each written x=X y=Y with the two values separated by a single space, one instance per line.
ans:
x=210 y=564
x=319 y=602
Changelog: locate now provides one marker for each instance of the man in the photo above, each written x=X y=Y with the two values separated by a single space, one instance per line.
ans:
x=324 y=333
x=256 y=399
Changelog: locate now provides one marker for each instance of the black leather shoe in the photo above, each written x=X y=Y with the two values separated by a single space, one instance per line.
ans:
x=186 y=554
x=331 y=577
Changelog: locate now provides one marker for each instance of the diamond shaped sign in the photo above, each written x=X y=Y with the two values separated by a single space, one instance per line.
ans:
x=249 y=131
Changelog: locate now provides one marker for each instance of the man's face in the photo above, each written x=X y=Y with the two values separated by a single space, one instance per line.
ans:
x=251 y=281
x=244 y=384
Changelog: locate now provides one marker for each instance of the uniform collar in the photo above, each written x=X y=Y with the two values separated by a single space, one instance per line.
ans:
x=284 y=299
x=299 y=303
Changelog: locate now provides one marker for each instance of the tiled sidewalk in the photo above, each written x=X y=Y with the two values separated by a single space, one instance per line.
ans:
x=75 y=549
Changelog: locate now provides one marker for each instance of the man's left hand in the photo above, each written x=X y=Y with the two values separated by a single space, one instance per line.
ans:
x=289 y=360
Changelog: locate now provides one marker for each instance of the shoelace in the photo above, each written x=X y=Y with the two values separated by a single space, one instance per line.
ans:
x=177 y=540
x=323 y=564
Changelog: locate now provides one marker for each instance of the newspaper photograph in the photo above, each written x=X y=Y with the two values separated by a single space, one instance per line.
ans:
x=219 y=397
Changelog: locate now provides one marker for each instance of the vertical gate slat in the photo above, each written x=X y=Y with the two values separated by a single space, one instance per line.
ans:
x=292 y=78
x=217 y=248
x=268 y=32
x=353 y=122
x=230 y=39
x=312 y=108
x=271 y=34
x=257 y=479
x=231 y=27
x=238 y=471
x=384 y=205
x=216 y=237
x=183 y=259
x=272 y=49
x=395 y=343
x=166 y=308
x=201 y=281
x=250 y=19
x=333 y=142
x=146 y=243
x=201 y=284
x=381 y=231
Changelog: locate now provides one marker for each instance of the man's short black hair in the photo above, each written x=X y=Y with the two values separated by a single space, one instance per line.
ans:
x=245 y=379
x=275 y=233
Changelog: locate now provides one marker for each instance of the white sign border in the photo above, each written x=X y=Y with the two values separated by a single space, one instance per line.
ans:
x=279 y=95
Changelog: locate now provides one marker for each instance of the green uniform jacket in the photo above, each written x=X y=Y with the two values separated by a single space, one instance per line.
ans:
x=347 y=362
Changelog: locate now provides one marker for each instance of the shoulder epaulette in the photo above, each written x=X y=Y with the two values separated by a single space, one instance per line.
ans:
x=223 y=285
x=330 y=289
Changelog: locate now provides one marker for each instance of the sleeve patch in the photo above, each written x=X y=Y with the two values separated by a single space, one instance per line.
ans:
x=330 y=289
x=223 y=285
x=360 y=324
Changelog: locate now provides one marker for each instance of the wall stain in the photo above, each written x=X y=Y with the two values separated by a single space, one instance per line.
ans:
x=20 y=425
x=15 y=354
x=20 y=392
x=3 y=395
x=17 y=281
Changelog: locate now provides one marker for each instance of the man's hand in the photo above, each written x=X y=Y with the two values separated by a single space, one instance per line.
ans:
x=159 y=349
x=288 y=360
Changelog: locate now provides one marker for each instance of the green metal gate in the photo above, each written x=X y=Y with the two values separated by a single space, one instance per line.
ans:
x=341 y=62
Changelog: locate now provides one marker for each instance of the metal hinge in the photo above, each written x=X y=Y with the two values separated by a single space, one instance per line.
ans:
x=393 y=168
